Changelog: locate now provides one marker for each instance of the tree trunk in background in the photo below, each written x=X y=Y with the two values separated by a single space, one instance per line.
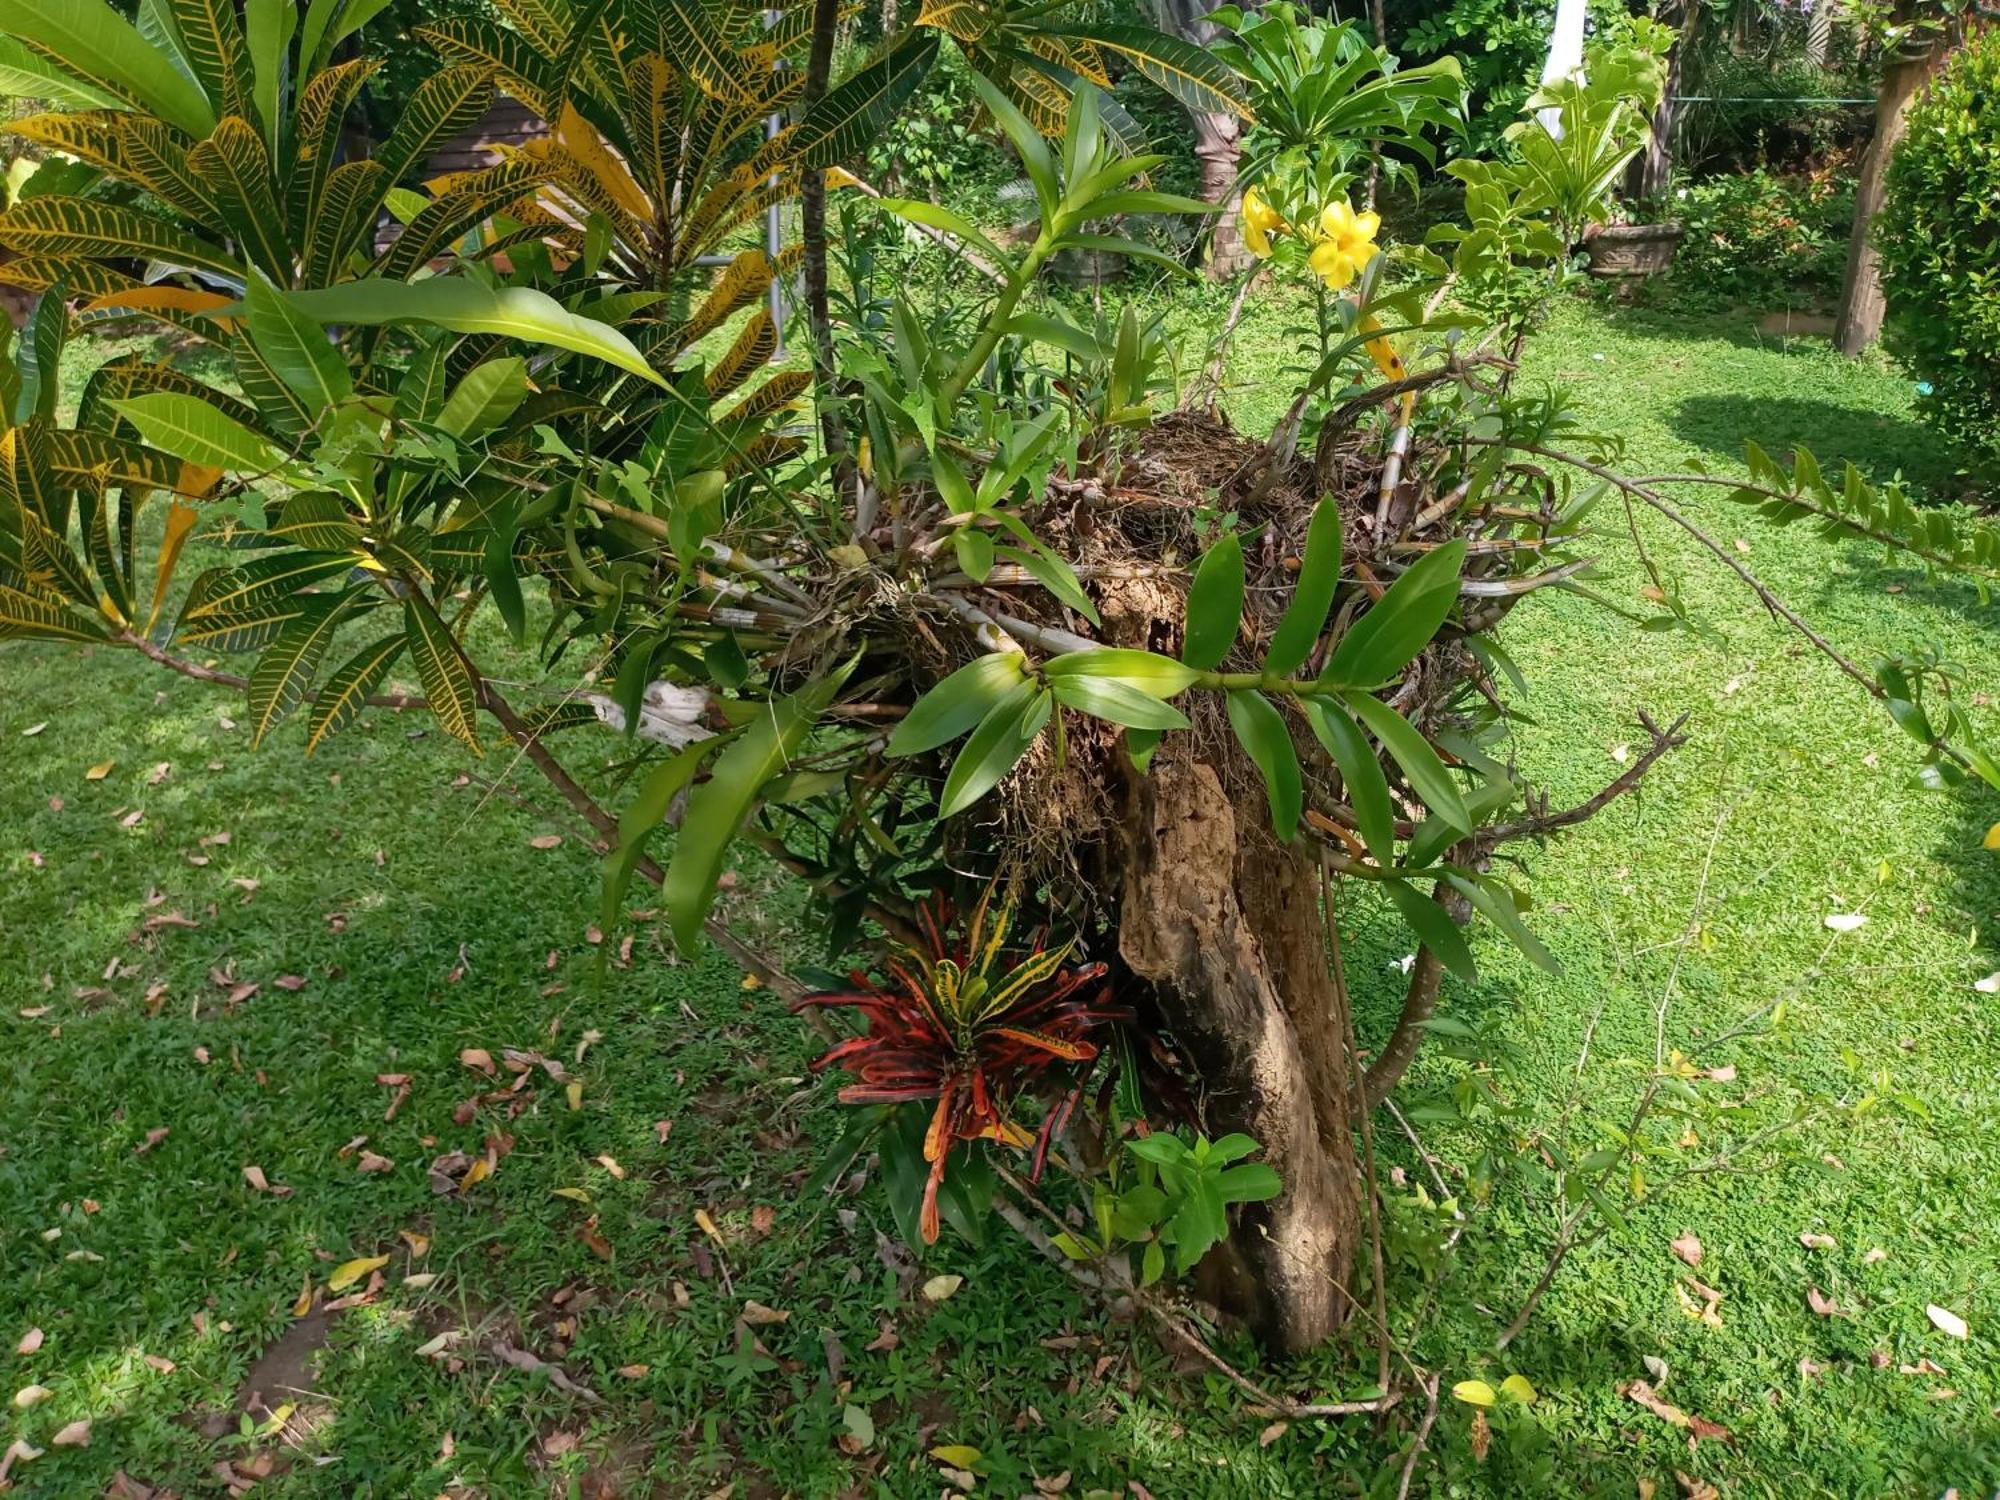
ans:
x=1224 y=923
x=1218 y=141
x=812 y=230
x=1861 y=299
x=1652 y=171
x=1219 y=150
x=1819 y=32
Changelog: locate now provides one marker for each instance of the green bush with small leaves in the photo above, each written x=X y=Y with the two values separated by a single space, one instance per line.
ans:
x=1763 y=240
x=1940 y=239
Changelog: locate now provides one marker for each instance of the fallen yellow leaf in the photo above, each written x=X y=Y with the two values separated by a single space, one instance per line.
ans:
x=352 y=1271
x=478 y=1172
x=610 y=1165
x=574 y=1093
x=103 y=769
x=1992 y=840
x=305 y=1303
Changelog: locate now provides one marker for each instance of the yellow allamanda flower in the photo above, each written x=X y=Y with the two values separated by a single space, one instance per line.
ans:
x=1260 y=221
x=1346 y=245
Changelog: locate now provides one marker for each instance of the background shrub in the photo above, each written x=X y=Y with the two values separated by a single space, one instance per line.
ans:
x=1501 y=44
x=1940 y=239
x=1781 y=111
x=1763 y=240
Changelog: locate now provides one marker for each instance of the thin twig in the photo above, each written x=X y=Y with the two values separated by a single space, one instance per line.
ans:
x=1206 y=390
x=1423 y=1436
x=1115 y=1277
x=1664 y=507
x=199 y=673
x=1567 y=1238
x=1663 y=740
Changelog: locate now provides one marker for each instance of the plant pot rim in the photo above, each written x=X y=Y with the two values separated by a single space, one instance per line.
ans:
x=1664 y=229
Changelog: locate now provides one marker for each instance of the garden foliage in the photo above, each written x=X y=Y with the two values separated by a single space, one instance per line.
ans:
x=1011 y=601
x=1940 y=239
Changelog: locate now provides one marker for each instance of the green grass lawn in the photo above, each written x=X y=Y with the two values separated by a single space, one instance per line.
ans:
x=627 y=1227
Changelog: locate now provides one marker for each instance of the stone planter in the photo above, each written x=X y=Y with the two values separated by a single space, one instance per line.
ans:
x=1621 y=251
x=1086 y=268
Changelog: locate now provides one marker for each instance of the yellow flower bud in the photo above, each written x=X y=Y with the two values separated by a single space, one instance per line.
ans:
x=1260 y=221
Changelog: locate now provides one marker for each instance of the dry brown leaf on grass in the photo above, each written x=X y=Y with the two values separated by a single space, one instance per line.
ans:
x=1703 y=1303
x=31 y=1395
x=30 y=1342
x=560 y=1378
x=1687 y=1248
x=1643 y=1395
x=20 y=1451
x=757 y=1315
x=1821 y=1304
x=75 y=1435
x=1818 y=1241
x=153 y=1138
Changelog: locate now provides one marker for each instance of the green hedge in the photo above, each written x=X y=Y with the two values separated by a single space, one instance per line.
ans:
x=1940 y=240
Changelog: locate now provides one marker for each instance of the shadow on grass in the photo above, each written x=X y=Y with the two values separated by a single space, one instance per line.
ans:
x=1880 y=446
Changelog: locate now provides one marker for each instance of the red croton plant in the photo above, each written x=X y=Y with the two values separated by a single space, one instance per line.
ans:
x=973 y=1023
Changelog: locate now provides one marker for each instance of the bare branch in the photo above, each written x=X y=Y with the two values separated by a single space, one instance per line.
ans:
x=199 y=673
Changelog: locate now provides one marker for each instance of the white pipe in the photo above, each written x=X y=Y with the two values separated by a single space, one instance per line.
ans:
x=1565 y=55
